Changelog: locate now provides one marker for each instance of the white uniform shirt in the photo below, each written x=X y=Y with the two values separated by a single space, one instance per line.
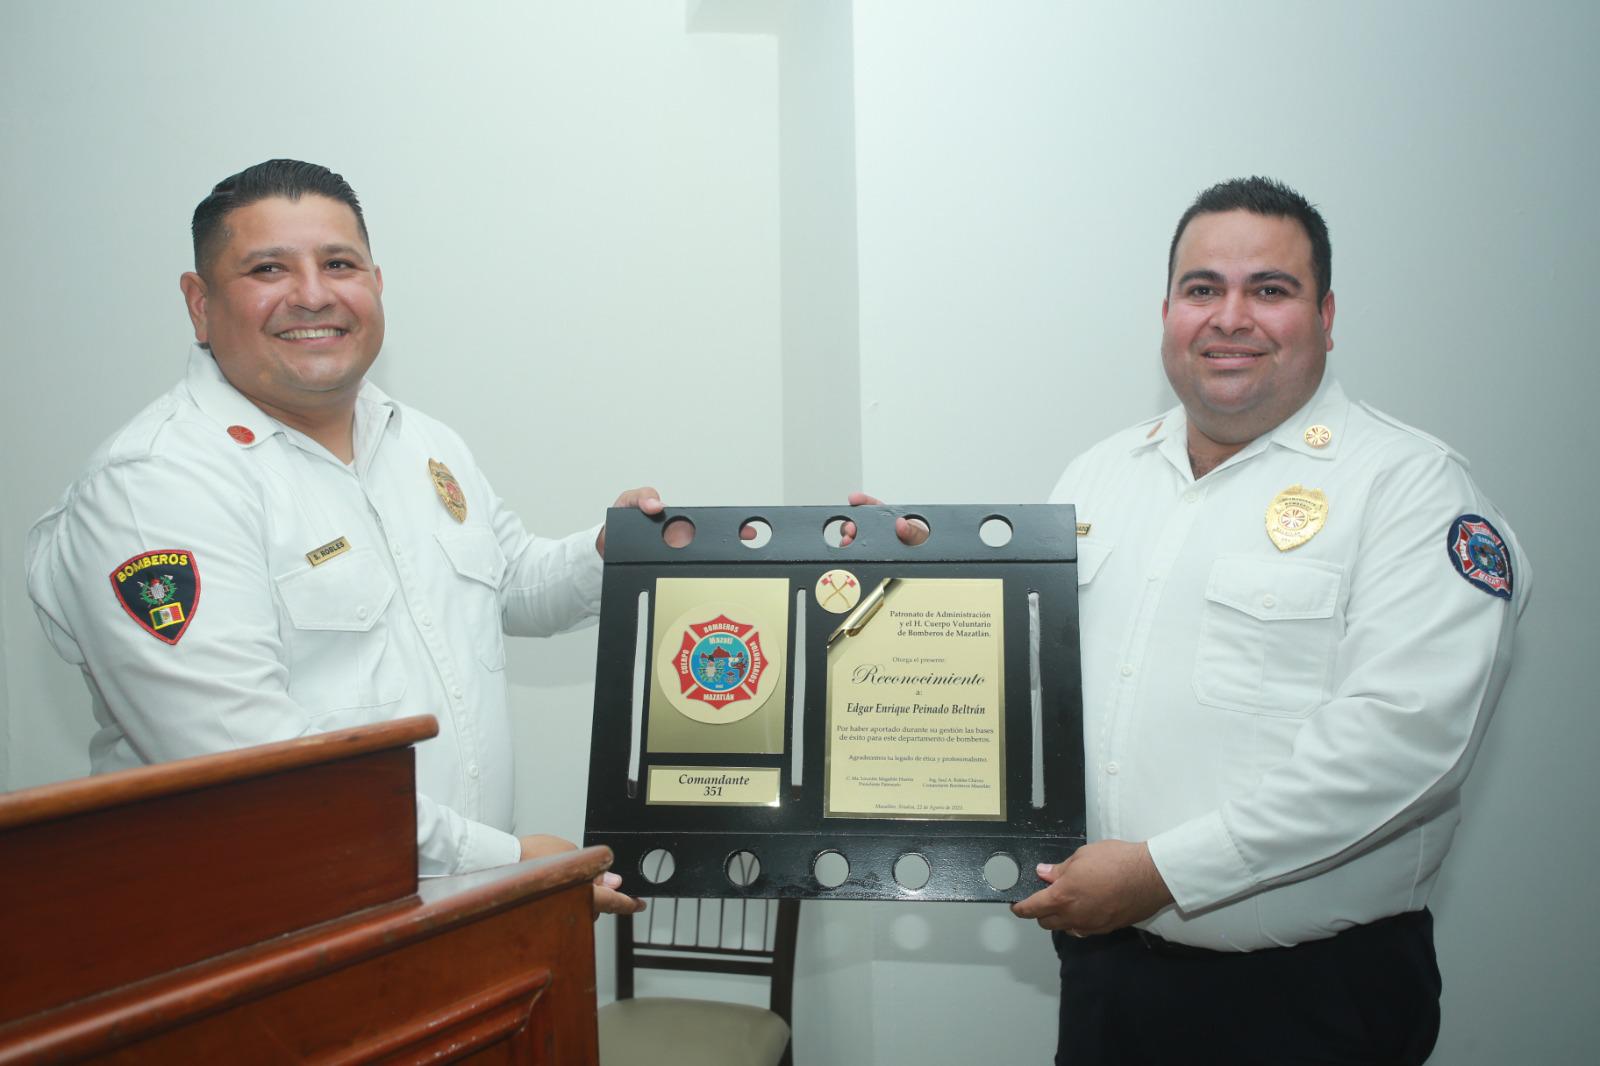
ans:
x=1287 y=729
x=408 y=620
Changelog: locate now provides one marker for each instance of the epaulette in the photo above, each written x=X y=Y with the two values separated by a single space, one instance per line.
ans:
x=137 y=439
x=1390 y=420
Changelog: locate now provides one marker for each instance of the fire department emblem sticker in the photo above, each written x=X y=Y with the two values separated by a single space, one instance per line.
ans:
x=715 y=665
x=160 y=590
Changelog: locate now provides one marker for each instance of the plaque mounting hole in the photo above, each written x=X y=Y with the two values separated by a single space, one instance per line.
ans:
x=927 y=529
x=995 y=531
x=833 y=532
x=911 y=872
x=831 y=869
x=755 y=533
x=1001 y=872
x=742 y=868
x=657 y=866
x=678 y=532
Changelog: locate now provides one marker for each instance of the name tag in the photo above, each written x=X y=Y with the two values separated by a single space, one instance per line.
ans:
x=318 y=556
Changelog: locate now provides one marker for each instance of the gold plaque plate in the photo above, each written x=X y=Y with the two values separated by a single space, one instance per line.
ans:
x=916 y=706
x=717 y=681
x=714 y=786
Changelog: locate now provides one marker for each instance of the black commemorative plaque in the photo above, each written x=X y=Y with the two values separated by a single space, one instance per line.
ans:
x=789 y=717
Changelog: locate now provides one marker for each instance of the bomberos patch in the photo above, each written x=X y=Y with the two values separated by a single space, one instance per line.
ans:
x=719 y=663
x=160 y=590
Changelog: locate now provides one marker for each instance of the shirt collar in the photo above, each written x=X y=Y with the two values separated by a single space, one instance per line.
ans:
x=375 y=413
x=225 y=405
x=248 y=425
x=1315 y=430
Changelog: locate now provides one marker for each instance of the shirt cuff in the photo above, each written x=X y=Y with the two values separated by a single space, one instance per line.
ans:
x=586 y=565
x=483 y=847
x=1200 y=863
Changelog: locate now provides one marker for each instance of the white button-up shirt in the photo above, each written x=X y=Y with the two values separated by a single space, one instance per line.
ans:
x=407 y=620
x=1287 y=729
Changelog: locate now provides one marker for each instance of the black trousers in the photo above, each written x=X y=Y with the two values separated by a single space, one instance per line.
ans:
x=1369 y=995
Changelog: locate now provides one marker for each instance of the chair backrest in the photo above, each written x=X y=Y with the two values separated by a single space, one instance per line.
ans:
x=741 y=936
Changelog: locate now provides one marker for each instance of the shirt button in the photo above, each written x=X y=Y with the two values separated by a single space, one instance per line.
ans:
x=472 y=771
x=361 y=612
x=397 y=551
x=1127 y=670
x=426 y=621
x=1269 y=600
x=1190 y=496
x=1112 y=767
x=456 y=692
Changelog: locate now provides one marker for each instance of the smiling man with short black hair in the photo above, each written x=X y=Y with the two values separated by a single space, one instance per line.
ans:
x=275 y=547
x=1297 y=615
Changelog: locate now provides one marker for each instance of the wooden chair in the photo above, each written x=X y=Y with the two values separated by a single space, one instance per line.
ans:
x=739 y=936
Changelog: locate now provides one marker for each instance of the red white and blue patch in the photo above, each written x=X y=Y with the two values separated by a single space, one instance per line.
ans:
x=1479 y=554
x=160 y=590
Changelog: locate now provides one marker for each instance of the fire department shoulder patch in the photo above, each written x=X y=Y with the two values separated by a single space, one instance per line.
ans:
x=1480 y=555
x=160 y=590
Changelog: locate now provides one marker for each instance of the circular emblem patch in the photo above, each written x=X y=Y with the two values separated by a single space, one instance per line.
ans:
x=1479 y=554
x=713 y=665
x=241 y=434
x=838 y=591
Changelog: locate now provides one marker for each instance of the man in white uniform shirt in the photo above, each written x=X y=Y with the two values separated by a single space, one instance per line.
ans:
x=1296 y=616
x=276 y=547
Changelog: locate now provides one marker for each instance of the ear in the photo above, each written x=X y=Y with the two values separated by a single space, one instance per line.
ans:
x=377 y=272
x=194 y=298
x=1327 y=319
x=1163 y=309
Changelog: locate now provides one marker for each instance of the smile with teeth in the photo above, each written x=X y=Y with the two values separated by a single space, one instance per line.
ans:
x=1212 y=354
x=311 y=334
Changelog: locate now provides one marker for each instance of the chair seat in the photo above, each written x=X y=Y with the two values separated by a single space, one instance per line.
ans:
x=664 y=1031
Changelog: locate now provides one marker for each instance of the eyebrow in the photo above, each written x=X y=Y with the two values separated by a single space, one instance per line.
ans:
x=1283 y=277
x=284 y=252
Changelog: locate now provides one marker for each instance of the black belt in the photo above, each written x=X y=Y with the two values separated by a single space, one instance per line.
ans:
x=1172 y=949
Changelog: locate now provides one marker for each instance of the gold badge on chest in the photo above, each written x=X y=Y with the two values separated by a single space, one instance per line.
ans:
x=450 y=494
x=1295 y=515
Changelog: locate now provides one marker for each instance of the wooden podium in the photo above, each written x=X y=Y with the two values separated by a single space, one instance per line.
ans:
x=263 y=906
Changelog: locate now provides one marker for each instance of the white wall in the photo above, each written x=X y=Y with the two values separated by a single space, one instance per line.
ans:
x=955 y=215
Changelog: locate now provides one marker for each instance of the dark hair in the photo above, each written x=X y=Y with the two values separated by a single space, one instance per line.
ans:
x=1263 y=196
x=288 y=178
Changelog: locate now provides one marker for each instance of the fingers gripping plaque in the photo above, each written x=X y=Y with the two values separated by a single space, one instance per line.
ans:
x=817 y=709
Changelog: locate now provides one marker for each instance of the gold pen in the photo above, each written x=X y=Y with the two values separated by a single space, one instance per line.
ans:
x=857 y=619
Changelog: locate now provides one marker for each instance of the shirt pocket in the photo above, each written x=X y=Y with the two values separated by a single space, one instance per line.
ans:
x=1269 y=635
x=1092 y=555
x=341 y=665
x=475 y=555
